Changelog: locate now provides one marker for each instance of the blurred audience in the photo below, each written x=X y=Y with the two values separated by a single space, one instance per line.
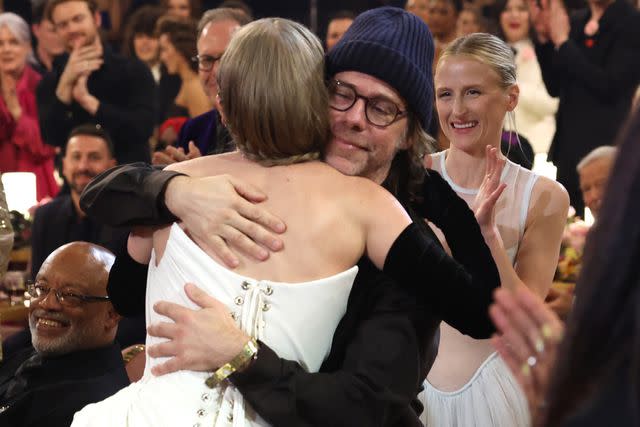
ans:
x=238 y=5
x=111 y=15
x=185 y=9
x=338 y=24
x=141 y=42
x=594 y=170
x=535 y=114
x=21 y=147
x=93 y=84
x=205 y=134
x=470 y=20
x=590 y=379
x=592 y=63
x=88 y=152
x=177 y=40
x=47 y=43
x=73 y=360
x=443 y=21
x=420 y=8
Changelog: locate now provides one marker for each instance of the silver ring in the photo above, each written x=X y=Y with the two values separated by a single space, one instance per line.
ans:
x=531 y=361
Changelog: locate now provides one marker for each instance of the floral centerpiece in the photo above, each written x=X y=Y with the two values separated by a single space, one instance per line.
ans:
x=572 y=248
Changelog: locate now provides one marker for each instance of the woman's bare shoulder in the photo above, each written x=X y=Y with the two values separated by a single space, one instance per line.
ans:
x=550 y=198
x=209 y=165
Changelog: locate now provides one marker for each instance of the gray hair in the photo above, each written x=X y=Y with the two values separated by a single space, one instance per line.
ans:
x=19 y=28
x=222 y=14
x=605 y=151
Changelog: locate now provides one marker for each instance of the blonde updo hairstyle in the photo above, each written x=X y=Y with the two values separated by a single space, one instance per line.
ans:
x=489 y=50
x=272 y=90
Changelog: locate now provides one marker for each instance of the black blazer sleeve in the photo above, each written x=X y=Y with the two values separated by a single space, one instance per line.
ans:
x=129 y=195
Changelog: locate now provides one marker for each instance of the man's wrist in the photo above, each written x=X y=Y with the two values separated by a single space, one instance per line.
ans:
x=170 y=199
x=240 y=362
x=91 y=104
x=64 y=94
x=560 y=41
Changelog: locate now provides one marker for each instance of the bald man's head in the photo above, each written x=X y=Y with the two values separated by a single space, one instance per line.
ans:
x=79 y=317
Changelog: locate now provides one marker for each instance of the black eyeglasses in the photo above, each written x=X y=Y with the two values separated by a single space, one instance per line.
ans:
x=40 y=292
x=205 y=62
x=379 y=111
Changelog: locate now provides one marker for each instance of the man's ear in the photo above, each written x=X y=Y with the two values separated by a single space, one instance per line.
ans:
x=408 y=139
x=98 y=19
x=113 y=318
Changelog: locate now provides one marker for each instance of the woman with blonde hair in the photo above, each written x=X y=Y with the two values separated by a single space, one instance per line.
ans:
x=476 y=88
x=274 y=101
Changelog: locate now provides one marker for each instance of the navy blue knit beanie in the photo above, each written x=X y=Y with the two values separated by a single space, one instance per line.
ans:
x=394 y=46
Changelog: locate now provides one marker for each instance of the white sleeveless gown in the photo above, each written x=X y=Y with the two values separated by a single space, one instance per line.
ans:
x=296 y=320
x=491 y=397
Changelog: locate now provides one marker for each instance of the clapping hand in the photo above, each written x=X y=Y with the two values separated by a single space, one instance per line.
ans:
x=173 y=155
x=539 y=13
x=490 y=190
x=559 y=25
x=83 y=60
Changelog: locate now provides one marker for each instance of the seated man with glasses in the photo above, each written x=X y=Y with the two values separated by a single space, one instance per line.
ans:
x=74 y=360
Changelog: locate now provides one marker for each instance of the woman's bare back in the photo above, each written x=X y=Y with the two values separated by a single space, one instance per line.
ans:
x=326 y=215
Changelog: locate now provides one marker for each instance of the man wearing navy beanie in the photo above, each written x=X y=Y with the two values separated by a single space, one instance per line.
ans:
x=381 y=99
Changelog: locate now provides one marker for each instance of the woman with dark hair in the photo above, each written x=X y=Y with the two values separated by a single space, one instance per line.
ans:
x=594 y=379
x=177 y=40
x=140 y=40
x=535 y=114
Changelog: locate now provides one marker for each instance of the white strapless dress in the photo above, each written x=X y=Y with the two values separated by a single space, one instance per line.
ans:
x=296 y=320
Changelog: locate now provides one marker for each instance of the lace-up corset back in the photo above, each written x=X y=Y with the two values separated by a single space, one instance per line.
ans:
x=296 y=319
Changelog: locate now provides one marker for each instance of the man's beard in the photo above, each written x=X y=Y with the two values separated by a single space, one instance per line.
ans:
x=79 y=188
x=75 y=338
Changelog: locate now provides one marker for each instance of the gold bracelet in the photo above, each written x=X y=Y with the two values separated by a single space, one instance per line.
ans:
x=248 y=352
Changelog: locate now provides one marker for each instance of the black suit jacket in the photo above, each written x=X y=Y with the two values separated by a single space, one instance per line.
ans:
x=57 y=223
x=127 y=94
x=61 y=386
x=595 y=79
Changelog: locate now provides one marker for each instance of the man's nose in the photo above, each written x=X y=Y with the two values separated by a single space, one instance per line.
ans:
x=356 y=115
x=50 y=302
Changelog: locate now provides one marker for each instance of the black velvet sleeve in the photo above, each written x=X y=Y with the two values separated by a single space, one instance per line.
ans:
x=127 y=284
x=459 y=292
x=129 y=195
x=451 y=214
